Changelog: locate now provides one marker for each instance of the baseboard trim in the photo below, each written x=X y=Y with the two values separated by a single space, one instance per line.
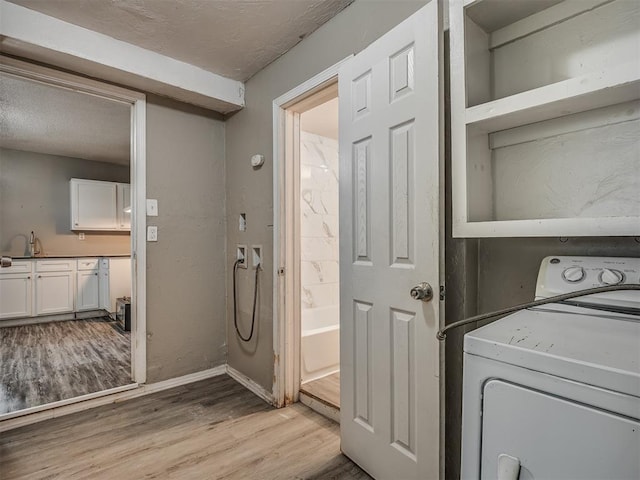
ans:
x=250 y=385
x=61 y=317
x=22 y=418
x=323 y=408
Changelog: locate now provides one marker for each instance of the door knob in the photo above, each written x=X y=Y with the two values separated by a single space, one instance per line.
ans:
x=422 y=292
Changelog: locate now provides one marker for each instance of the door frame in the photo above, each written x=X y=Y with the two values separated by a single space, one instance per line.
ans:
x=286 y=230
x=137 y=102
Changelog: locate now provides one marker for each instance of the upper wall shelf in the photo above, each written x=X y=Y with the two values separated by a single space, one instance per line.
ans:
x=574 y=95
x=545 y=117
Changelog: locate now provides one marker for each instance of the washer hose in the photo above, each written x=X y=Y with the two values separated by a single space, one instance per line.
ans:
x=235 y=303
x=442 y=333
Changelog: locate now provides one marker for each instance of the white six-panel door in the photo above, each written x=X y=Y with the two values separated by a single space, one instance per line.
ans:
x=389 y=226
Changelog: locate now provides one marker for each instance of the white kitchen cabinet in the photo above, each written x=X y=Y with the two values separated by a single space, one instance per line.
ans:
x=123 y=202
x=16 y=290
x=93 y=205
x=54 y=292
x=54 y=286
x=88 y=284
x=545 y=118
x=98 y=205
x=62 y=285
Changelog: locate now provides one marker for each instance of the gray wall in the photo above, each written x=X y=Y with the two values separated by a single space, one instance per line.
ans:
x=508 y=267
x=186 y=268
x=34 y=195
x=481 y=275
x=250 y=132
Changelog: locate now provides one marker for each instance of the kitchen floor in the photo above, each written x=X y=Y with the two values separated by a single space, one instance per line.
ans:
x=326 y=389
x=213 y=429
x=47 y=362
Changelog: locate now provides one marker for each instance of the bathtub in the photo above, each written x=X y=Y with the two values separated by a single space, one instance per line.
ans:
x=320 y=348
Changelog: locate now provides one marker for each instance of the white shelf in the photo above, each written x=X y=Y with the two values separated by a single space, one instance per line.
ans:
x=545 y=118
x=541 y=20
x=575 y=95
x=549 y=227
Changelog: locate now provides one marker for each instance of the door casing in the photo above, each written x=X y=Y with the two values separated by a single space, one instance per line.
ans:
x=286 y=230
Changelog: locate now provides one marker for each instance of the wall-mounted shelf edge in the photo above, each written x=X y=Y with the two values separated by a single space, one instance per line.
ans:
x=588 y=92
x=550 y=227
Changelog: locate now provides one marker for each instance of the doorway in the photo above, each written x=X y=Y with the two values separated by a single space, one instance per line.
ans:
x=73 y=167
x=319 y=252
x=306 y=279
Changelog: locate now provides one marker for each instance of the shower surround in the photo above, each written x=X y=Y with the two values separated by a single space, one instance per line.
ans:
x=319 y=255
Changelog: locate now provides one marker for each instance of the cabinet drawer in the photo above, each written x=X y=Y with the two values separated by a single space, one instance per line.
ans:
x=104 y=264
x=55 y=265
x=88 y=263
x=18 y=267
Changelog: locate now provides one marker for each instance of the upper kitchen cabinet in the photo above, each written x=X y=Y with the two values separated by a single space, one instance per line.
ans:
x=545 y=117
x=123 y=206
x=97 y=205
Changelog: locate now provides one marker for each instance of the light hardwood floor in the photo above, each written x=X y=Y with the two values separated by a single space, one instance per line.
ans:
x=213 y=429
x=326 y=389
x=46 y=362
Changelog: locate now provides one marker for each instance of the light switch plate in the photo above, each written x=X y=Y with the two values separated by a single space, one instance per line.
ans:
x=152 y=233
x=152 y=207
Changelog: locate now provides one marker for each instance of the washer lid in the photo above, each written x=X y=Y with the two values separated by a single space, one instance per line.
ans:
x=597 y=349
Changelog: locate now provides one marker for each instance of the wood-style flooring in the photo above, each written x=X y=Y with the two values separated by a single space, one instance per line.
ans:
x=47 y=362
x=326 y=389
x=213 y=429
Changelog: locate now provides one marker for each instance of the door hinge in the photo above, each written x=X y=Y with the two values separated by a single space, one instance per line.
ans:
x=281 y=271
x=442 y=292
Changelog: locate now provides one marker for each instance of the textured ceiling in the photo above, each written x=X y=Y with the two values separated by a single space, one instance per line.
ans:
x=233 y=38
x=44 y=119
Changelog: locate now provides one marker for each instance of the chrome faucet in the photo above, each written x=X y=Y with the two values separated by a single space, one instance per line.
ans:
x=32 y=245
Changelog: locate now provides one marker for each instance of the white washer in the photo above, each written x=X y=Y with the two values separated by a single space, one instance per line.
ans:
x=554 y=392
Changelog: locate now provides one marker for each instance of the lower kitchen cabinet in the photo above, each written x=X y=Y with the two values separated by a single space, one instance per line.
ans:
x=38 y=287
x=87 y=290
x=54 y=292
x=15 y=295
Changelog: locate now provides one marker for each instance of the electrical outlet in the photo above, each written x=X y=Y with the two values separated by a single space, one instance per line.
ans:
x=241 y=254
x=81 y=236
x=256 y=256
x=152 y=233
x=242 y=222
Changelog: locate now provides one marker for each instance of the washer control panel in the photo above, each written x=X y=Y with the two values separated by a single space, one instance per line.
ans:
x=564 y=274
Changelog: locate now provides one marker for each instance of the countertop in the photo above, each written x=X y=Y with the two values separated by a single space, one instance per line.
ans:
x=51 y=257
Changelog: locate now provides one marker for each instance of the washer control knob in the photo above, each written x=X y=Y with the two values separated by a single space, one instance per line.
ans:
x=611 y=277
x=573 y=274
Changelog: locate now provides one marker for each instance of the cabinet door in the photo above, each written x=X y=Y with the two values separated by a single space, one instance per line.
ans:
x=15 y=295
x=93 y=205
x=124 y=201
x=54 y=292
x=88 y=290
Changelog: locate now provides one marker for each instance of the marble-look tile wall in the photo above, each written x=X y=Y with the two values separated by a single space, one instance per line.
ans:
x=319 y=222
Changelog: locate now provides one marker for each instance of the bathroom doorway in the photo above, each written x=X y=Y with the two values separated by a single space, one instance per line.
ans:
x=319 y=254
x=306 y=335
